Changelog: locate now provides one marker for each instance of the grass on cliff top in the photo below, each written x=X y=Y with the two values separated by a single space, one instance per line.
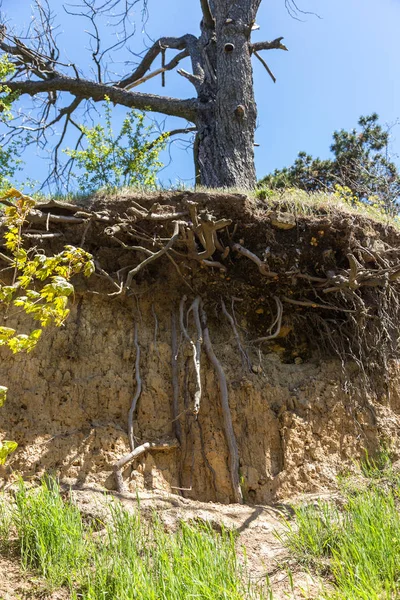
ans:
x=296 y=201
x=354 y=545
x=124 y=559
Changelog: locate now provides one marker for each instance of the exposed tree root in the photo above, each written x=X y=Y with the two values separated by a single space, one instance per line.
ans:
x=195 y=346
x=138 y=390
x=157 y=446
x=277 y=322
x=262 y=266
x=175 y=379
x=243 y=354
x=226 y=412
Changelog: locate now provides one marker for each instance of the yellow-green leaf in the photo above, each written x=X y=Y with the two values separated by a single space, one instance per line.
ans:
x=6 y=448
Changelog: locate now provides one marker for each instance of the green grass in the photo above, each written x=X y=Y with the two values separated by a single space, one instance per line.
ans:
x=293 y=200
x=125 y=559
x=356 y=545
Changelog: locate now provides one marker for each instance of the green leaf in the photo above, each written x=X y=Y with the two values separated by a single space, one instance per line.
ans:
x=5 y=334
x=89 y=268
x=6 y=448
x=3 y=394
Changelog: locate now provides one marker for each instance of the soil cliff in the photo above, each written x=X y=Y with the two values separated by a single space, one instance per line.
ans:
x=303 y=403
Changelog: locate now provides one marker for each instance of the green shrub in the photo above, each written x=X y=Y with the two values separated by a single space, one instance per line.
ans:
x=128 y=159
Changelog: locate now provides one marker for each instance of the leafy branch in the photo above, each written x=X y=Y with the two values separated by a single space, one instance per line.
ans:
x=39 y=285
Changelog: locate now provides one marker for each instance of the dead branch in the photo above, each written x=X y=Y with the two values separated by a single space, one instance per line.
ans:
x=84 y=88
x=264 y=64
x=274 y=45
x=227 y=417
x=183 y=43
x=207 y=14
x=157 y=446
x=139 y=211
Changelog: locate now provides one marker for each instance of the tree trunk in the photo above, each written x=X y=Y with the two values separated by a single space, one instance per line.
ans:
x=227 y=118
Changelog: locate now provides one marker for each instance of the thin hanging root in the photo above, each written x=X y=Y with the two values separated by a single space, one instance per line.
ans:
x=175 y=379
x=153 y=310
x=315 y=305
x=138 y=391
x=228 y=426
x=243 y=354
x=196 y=347
x=277 y=321
x=162 y=445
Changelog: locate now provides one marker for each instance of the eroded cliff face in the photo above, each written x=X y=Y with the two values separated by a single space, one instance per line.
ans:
x=298 y=416
x=68 y=402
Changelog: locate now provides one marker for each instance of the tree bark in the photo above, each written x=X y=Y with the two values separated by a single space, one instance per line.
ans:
x=227 y=121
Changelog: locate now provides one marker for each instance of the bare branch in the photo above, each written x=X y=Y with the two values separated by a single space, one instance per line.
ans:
x=274 y=45
x=97 y=92
x=208 y=19
x=162 y=445
x=182 y=43
x=262 y=61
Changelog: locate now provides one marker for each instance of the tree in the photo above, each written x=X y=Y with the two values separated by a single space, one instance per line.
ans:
x=360 y=163
x=223 y=111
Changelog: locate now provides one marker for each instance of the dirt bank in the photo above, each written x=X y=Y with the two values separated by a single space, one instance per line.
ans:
x=298 y=417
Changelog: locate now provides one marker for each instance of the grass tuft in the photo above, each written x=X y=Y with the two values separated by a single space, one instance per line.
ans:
x=357 y=545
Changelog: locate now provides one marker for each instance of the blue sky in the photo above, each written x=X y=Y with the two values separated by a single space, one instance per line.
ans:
x=339 y=66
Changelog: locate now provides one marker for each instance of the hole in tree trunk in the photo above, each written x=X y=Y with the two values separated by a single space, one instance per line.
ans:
x=229 y=47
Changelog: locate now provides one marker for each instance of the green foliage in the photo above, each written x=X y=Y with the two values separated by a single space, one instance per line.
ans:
x=6 y=447
x=40 y=285
x=360 y=163
x=356 y=544
x=128 y=159
x=7 y=97
x=128 y=558
x=51 y=534
x=10 y=163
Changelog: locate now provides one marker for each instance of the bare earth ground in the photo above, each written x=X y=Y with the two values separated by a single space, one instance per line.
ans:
x=255 y=525
x=16 y=584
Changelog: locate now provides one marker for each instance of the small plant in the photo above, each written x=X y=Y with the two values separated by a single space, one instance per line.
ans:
x=128 y=159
